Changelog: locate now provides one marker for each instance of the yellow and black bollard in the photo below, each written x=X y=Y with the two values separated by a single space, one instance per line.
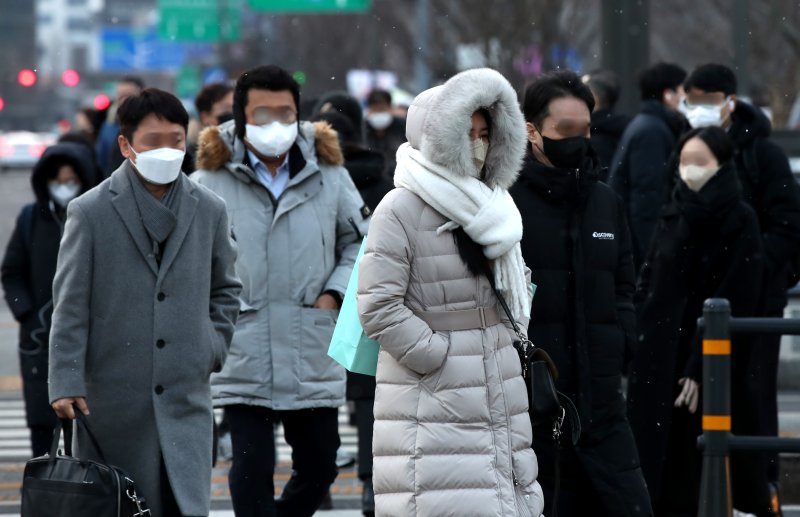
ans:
x=715 y=494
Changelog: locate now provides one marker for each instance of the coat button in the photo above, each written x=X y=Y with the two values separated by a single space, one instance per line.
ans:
x=161 y=297
x=159 y=389
x=160 y=343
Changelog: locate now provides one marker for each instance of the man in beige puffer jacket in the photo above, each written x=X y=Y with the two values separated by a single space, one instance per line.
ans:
x=452 y=433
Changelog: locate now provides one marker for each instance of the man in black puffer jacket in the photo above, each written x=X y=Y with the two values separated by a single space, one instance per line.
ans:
x=577 y=244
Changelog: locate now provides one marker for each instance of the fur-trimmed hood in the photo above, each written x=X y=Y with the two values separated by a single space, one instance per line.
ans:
x=218 y=146
x=439 y=121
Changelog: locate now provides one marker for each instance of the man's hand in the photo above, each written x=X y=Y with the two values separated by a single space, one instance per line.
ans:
x=63 y=407
x=326 y=301
x=689 y=395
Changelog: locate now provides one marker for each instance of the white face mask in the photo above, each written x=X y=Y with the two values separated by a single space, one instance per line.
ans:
x=479 y=149
x=696 y=176
x=63 y=193
x=380 y=120
x=705 y=116
x=273 y=139
x=159 y=166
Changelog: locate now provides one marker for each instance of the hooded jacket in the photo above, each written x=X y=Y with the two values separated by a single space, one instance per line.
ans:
x=291 y=250
x=707 y=245
x=28 y=269
x=770 y=188
x=452 y=433
x=639 y=167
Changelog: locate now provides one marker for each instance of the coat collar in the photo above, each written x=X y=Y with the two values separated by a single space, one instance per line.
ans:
x=560 y=186
x=124 y=203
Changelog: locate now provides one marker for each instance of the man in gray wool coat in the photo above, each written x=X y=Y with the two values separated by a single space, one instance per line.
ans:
x=146 y=298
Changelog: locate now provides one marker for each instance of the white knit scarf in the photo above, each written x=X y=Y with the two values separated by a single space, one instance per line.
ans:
x=489 y=216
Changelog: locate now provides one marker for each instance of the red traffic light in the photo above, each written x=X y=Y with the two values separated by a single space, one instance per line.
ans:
x=2 y=104
x=26 y=77
x=101 y=102
x=70 y=78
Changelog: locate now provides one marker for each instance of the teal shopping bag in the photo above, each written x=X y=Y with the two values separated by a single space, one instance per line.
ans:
x=350 y=346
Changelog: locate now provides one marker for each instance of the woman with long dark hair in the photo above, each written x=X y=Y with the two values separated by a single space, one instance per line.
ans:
x=707 y=245
x=452 y=433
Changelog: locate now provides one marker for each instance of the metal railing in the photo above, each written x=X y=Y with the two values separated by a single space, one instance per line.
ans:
x=717 y=440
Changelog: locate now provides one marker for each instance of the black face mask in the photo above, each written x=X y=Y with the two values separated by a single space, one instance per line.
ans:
x=567 y=153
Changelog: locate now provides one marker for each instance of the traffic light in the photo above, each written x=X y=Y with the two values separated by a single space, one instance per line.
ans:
x=26 y=78
x=70 y=78
x=101 y=102
x=2 y=104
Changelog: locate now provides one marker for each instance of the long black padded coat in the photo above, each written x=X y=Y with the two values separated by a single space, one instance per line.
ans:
x=707 y=245
x=577 y=244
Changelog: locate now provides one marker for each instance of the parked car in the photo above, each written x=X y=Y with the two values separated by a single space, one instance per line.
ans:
x=22 y=149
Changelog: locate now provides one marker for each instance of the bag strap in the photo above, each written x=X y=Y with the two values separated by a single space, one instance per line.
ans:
x=528 y=351
x=504 y=305
x=57 y=437
x=65 y=425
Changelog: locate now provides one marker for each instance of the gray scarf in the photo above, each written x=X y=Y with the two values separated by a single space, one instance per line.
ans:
x=159 y=217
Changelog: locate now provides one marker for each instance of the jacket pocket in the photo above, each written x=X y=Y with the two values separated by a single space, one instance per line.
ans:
x=315 y=338
x=432 y=380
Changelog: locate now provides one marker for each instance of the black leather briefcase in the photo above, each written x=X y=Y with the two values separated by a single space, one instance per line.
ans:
x=58 y=484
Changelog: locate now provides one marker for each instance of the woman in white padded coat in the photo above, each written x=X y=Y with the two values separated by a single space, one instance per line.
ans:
x=452 y=434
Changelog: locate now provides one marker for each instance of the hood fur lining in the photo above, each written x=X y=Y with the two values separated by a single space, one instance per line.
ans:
x=447 y=120
x=214 y=146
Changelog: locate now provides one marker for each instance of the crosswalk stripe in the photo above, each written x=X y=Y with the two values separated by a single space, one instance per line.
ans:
x=15 y=445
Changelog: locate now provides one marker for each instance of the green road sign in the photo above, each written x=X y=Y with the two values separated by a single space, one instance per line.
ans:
x=188 y=82
x=200 y=20
x=311 y=6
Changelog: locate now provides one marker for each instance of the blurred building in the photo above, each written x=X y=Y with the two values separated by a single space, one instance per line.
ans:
x=66 y=35
x=17 y=52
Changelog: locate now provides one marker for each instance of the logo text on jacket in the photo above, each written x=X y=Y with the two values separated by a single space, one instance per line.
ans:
x=603 y=236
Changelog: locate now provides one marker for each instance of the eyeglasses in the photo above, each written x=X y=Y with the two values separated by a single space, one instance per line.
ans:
x=264 y=116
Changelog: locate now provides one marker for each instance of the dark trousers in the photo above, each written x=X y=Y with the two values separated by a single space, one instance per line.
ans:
x=600 y=477
x=766 y=362
x=169 y=506
x=313 y=435
x=365 y=422
x=41 y=438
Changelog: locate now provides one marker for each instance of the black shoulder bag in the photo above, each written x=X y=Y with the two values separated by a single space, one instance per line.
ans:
x=546 y=405
x=77 y=487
